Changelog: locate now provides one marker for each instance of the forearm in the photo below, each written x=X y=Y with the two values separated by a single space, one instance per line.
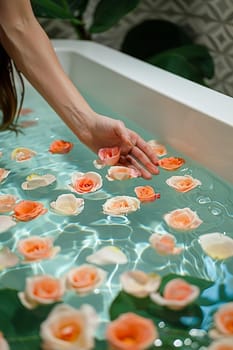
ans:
x=29 y=47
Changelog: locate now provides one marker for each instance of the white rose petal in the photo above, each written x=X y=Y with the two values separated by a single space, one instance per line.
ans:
x=3 y=174
x=183 y=183
x=121 y=205
x=217 y=245
x=107 y=255
x=6 y=222
x=121 y=173
x=7 y=258
x=35 y=181
x=68 y=204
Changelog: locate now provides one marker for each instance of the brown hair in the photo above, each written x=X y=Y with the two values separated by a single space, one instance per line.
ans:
x=8 y=93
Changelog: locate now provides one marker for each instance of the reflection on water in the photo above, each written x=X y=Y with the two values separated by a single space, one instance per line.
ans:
x=79 y=236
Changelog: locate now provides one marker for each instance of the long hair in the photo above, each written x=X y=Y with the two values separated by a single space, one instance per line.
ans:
x=9 y=104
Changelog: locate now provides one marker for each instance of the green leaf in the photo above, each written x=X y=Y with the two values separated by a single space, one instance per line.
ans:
x=100 y=345
x=109 y=12
x=200 y=282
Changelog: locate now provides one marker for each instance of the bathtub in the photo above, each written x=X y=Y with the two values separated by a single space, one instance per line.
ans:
x=193 y=119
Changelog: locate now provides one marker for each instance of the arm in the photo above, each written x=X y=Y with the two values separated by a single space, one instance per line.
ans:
x=29 y=47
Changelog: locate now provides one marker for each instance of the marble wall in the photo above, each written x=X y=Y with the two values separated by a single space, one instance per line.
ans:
x=210 y=22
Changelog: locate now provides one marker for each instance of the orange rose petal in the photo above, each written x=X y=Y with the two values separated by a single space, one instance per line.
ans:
x=28 y=210
x=60 y=147
x=171 y=163
x=37 y=248
x=146 y=193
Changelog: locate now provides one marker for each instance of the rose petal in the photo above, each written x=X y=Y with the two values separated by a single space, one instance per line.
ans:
x=7 y=203
x=183 y=219
x=22 y=154
x=28 y=210
x=35 y=181
x=60 y=147
x=3 y=343
x=7 y=258
x=85 y=182
x=121 y=173
x=158 y=148
x=146 y=193
x=121 y=205
x=164 y=244
x=107 y=156
x=68 y=204
x=171 y=163
x=6 y=222
x=3 y=174
x=139 y=284
x=217 y=245
x=107 y=255
x=183 y=183
x=221 y=344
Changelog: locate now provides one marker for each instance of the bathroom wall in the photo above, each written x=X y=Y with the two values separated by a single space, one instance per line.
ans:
x=210 y=22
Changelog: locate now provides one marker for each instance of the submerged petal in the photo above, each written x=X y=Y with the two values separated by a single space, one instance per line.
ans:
x=164 y=244
x=68 y=204
x=217 y=245
x=6 y=222
x=35 y=181
x=107 y=255
x=7 y=258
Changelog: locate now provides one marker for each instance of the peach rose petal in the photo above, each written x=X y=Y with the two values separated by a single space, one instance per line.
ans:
x=107 y=156
x=68 y=204
x=7 y=259
x=159 y=149
x=223 y=321
x=164 y=244
x=83 y=183
x=221 y=344
x=85 y=279
x=183 y=183
x=28 y=210
x=60 y=147
x=182 y=219
x=131 y=332
x=217 y=245
x=3 y=174
x=107 y=255
x=6 y=222
x=67 y=328
x=36 y=248
x=7 y=202
x=40 y=290
x=177 y=294
x=22 y=154
x=34 y=181
x=146 y=193
x=121 y=173
x=121 y=205
x=139 y=283
x=171 y=163
x=3 y=343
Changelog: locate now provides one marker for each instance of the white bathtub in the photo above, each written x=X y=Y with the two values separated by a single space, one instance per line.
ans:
x=193 y=119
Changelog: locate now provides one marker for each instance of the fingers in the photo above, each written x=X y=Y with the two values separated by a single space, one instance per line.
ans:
x=143 y=171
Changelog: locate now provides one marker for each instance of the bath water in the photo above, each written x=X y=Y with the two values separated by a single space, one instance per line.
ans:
x=79 y=236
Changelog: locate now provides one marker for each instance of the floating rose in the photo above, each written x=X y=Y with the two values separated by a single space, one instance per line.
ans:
x=3 y=174
x=60 y=147
x=158 y=148
x=3 y=343
x=221 y=344
x=107 y=255
x=43 y=289
x=84 y=279
x=107 y=156
x=146 y=193
x=139 y=283
x=37 y=248
x=177 y=294
x=22 y=154
x=217 y=245
x=6 y=222
x=34 y=181
x=7 y=202
x=68 y=204
x=164 y=244
x=7 y=259
x=183 y=219
x=171 y=163
x=67 y=328
x=85 y=182
x=223 y=322
x=28 y=210
x=183 y=183
x=121 y=173
x=121 y=205
x=131 y=332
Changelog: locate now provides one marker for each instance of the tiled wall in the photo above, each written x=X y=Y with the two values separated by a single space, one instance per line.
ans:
x=209 y=21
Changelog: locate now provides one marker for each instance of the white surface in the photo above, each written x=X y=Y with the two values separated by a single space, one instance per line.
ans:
x=193 y=119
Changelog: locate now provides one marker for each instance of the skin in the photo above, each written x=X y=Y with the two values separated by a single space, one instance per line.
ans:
x=29 y=47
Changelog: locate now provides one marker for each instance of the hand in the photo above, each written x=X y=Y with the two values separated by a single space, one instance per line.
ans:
x=108 y=132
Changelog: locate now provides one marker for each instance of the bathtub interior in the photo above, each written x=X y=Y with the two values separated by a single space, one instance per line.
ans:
x=149 y=112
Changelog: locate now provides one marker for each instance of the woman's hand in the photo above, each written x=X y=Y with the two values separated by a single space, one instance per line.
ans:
x=107 y=132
